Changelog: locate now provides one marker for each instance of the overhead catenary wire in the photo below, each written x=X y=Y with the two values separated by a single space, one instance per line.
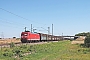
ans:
x=12 y=21
x=4 y=20
x=20 y=16
x=8 y=24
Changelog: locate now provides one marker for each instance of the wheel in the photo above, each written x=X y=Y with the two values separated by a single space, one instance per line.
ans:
x=23 y=41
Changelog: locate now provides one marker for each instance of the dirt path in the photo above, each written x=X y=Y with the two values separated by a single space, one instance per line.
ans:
x=77 y=42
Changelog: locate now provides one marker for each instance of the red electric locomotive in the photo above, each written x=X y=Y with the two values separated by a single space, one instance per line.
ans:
x=33 y=37
x=29 y=37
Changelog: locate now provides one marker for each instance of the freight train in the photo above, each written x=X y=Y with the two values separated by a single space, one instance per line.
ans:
x=27 y=36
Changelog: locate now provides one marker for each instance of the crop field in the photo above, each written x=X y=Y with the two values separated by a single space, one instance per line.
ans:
x=5 y=41
x=62 y=50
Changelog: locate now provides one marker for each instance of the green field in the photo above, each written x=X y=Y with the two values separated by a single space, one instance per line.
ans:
x=62 y=50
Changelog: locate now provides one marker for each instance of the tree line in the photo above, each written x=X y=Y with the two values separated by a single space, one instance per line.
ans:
x=87 y=39
x=83 y=34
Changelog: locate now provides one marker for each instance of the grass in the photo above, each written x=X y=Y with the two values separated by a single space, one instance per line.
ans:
x=62 y=50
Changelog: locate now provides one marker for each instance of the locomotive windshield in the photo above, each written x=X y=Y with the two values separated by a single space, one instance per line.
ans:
x=24 y=34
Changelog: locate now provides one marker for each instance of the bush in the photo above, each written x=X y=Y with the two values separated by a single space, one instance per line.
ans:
x=9 y=54
x=87 y=41
x=17 y=38
x=23 y=46
x=12 y=45
x=14 y=37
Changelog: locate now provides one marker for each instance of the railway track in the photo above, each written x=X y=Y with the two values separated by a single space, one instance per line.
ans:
x=9 y=43
x=19 y=43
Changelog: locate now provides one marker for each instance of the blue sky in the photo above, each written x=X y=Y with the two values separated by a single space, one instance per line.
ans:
x=68 y=16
